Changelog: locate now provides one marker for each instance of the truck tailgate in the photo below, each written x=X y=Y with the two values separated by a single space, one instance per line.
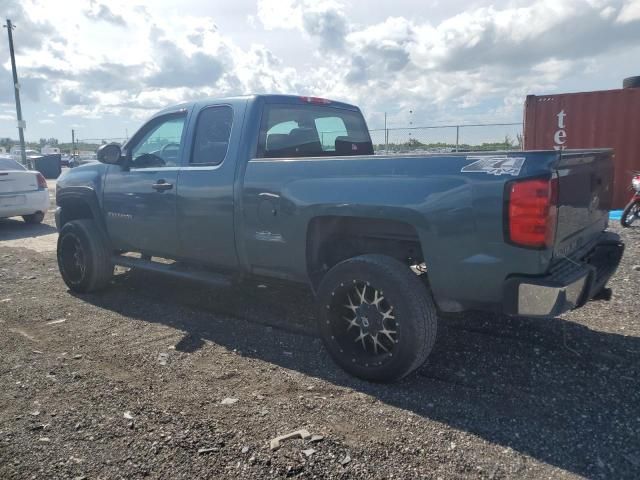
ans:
x=585 y=192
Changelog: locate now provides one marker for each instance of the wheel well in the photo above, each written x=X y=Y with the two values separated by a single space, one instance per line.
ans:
x=74 y=210
x=332 y=239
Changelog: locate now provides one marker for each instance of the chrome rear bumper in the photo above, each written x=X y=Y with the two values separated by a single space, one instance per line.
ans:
x=570 y=284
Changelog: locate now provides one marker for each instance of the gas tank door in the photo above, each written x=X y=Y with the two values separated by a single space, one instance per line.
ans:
x=268 y=207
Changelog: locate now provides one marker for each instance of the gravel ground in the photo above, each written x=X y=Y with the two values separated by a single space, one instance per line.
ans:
x=163 y=379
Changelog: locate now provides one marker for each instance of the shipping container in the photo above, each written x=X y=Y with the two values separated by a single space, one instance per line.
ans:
x=601 y=119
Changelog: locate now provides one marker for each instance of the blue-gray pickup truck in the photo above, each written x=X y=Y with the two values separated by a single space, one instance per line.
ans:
x=289 y=188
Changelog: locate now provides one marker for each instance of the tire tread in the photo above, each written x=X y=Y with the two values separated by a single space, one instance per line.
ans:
x=417 y=300
x=101 y=265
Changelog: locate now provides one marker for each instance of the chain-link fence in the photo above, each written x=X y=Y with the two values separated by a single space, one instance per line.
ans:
x=84 y=149
x=95 y=143
x=432 y=139
x=448 y=138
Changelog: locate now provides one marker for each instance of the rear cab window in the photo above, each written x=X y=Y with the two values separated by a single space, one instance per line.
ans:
x=289 y=130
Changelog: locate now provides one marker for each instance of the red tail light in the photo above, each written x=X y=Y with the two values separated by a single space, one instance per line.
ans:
x=532 y=212
x=42 y=183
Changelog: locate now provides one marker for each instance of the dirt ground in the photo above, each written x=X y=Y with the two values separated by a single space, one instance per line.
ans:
x=162 y=379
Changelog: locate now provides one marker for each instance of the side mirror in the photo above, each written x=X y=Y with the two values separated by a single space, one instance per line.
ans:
x=109 y=153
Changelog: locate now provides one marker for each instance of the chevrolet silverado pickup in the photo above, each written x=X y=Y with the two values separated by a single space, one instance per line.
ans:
x=287 y=187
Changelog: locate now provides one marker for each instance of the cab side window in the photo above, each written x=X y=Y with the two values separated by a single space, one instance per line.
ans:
x=161 y=144
x=211 y=140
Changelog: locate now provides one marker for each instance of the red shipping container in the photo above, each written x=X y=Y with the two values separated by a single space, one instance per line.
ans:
x=602 y=119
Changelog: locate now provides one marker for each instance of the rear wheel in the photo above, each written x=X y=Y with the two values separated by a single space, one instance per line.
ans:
x=37 y=217
x=630 y=213
x=84 y=258
x=377 y=318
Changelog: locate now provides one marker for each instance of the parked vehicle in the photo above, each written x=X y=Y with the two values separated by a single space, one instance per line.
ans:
x=288 y=187
x=22 y=192
x=632 y=211
x=49 y=150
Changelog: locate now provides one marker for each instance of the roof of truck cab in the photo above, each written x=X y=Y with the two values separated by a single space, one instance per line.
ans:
x=270 y=98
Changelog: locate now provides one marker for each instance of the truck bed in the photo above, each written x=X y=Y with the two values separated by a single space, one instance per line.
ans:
x=455 y=203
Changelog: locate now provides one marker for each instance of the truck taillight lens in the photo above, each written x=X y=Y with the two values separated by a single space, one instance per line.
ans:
x=42 y=183
x=532 y=212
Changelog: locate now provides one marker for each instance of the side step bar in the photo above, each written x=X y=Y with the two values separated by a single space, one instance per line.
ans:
x=174 y=270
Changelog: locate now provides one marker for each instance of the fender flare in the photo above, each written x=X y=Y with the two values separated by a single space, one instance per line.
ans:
x=84 y=195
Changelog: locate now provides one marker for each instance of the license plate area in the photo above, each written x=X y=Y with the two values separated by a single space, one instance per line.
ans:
x=12 y=201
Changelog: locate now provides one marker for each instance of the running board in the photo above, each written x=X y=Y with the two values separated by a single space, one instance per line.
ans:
x=174 y=270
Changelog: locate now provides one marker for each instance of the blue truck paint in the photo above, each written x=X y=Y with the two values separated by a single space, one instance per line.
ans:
x=252 y=216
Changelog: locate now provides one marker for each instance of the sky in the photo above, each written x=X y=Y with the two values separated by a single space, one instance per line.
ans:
x=103 y=67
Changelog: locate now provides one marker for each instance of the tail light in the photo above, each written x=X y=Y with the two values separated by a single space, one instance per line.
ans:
x=42 y=182
x=316 y=100
x=532 y=212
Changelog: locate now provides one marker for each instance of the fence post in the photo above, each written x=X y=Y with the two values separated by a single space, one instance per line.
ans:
x=457 y=136
x=386 y=135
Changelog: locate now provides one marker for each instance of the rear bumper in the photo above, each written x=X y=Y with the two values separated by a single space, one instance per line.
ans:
x=24 y=203
x=569 y=285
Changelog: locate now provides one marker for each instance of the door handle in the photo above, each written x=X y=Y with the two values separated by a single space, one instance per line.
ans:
x=162 y=186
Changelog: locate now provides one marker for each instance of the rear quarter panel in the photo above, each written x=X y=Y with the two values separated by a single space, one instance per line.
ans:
x=458 y=215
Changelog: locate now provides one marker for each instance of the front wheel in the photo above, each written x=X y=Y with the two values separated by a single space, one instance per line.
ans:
x=84 y=257
x=630 y=213
x=376 y=318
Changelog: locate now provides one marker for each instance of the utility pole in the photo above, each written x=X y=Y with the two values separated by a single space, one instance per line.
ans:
x=16 y=87
x=73 y=146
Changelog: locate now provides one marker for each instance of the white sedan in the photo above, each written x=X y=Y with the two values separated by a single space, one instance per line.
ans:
x=22 y=192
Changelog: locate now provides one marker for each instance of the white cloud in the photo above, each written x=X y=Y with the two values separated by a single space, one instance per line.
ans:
x=115 y=61
x=322 y=19
x=285 y=14
x=99 y=11
x=630 y=11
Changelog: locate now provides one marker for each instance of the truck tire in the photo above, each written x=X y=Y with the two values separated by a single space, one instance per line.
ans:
x=376 y=317
x=84 y=257
x=34 y=218
x=630 y=213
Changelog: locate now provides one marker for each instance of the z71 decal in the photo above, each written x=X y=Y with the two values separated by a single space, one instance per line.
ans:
x=494 y=165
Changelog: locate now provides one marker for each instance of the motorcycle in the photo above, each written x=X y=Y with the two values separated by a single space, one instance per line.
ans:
x=632 y=211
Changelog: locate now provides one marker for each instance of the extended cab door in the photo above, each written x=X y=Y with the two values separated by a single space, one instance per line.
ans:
x=140 y=198
x=206 y=184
